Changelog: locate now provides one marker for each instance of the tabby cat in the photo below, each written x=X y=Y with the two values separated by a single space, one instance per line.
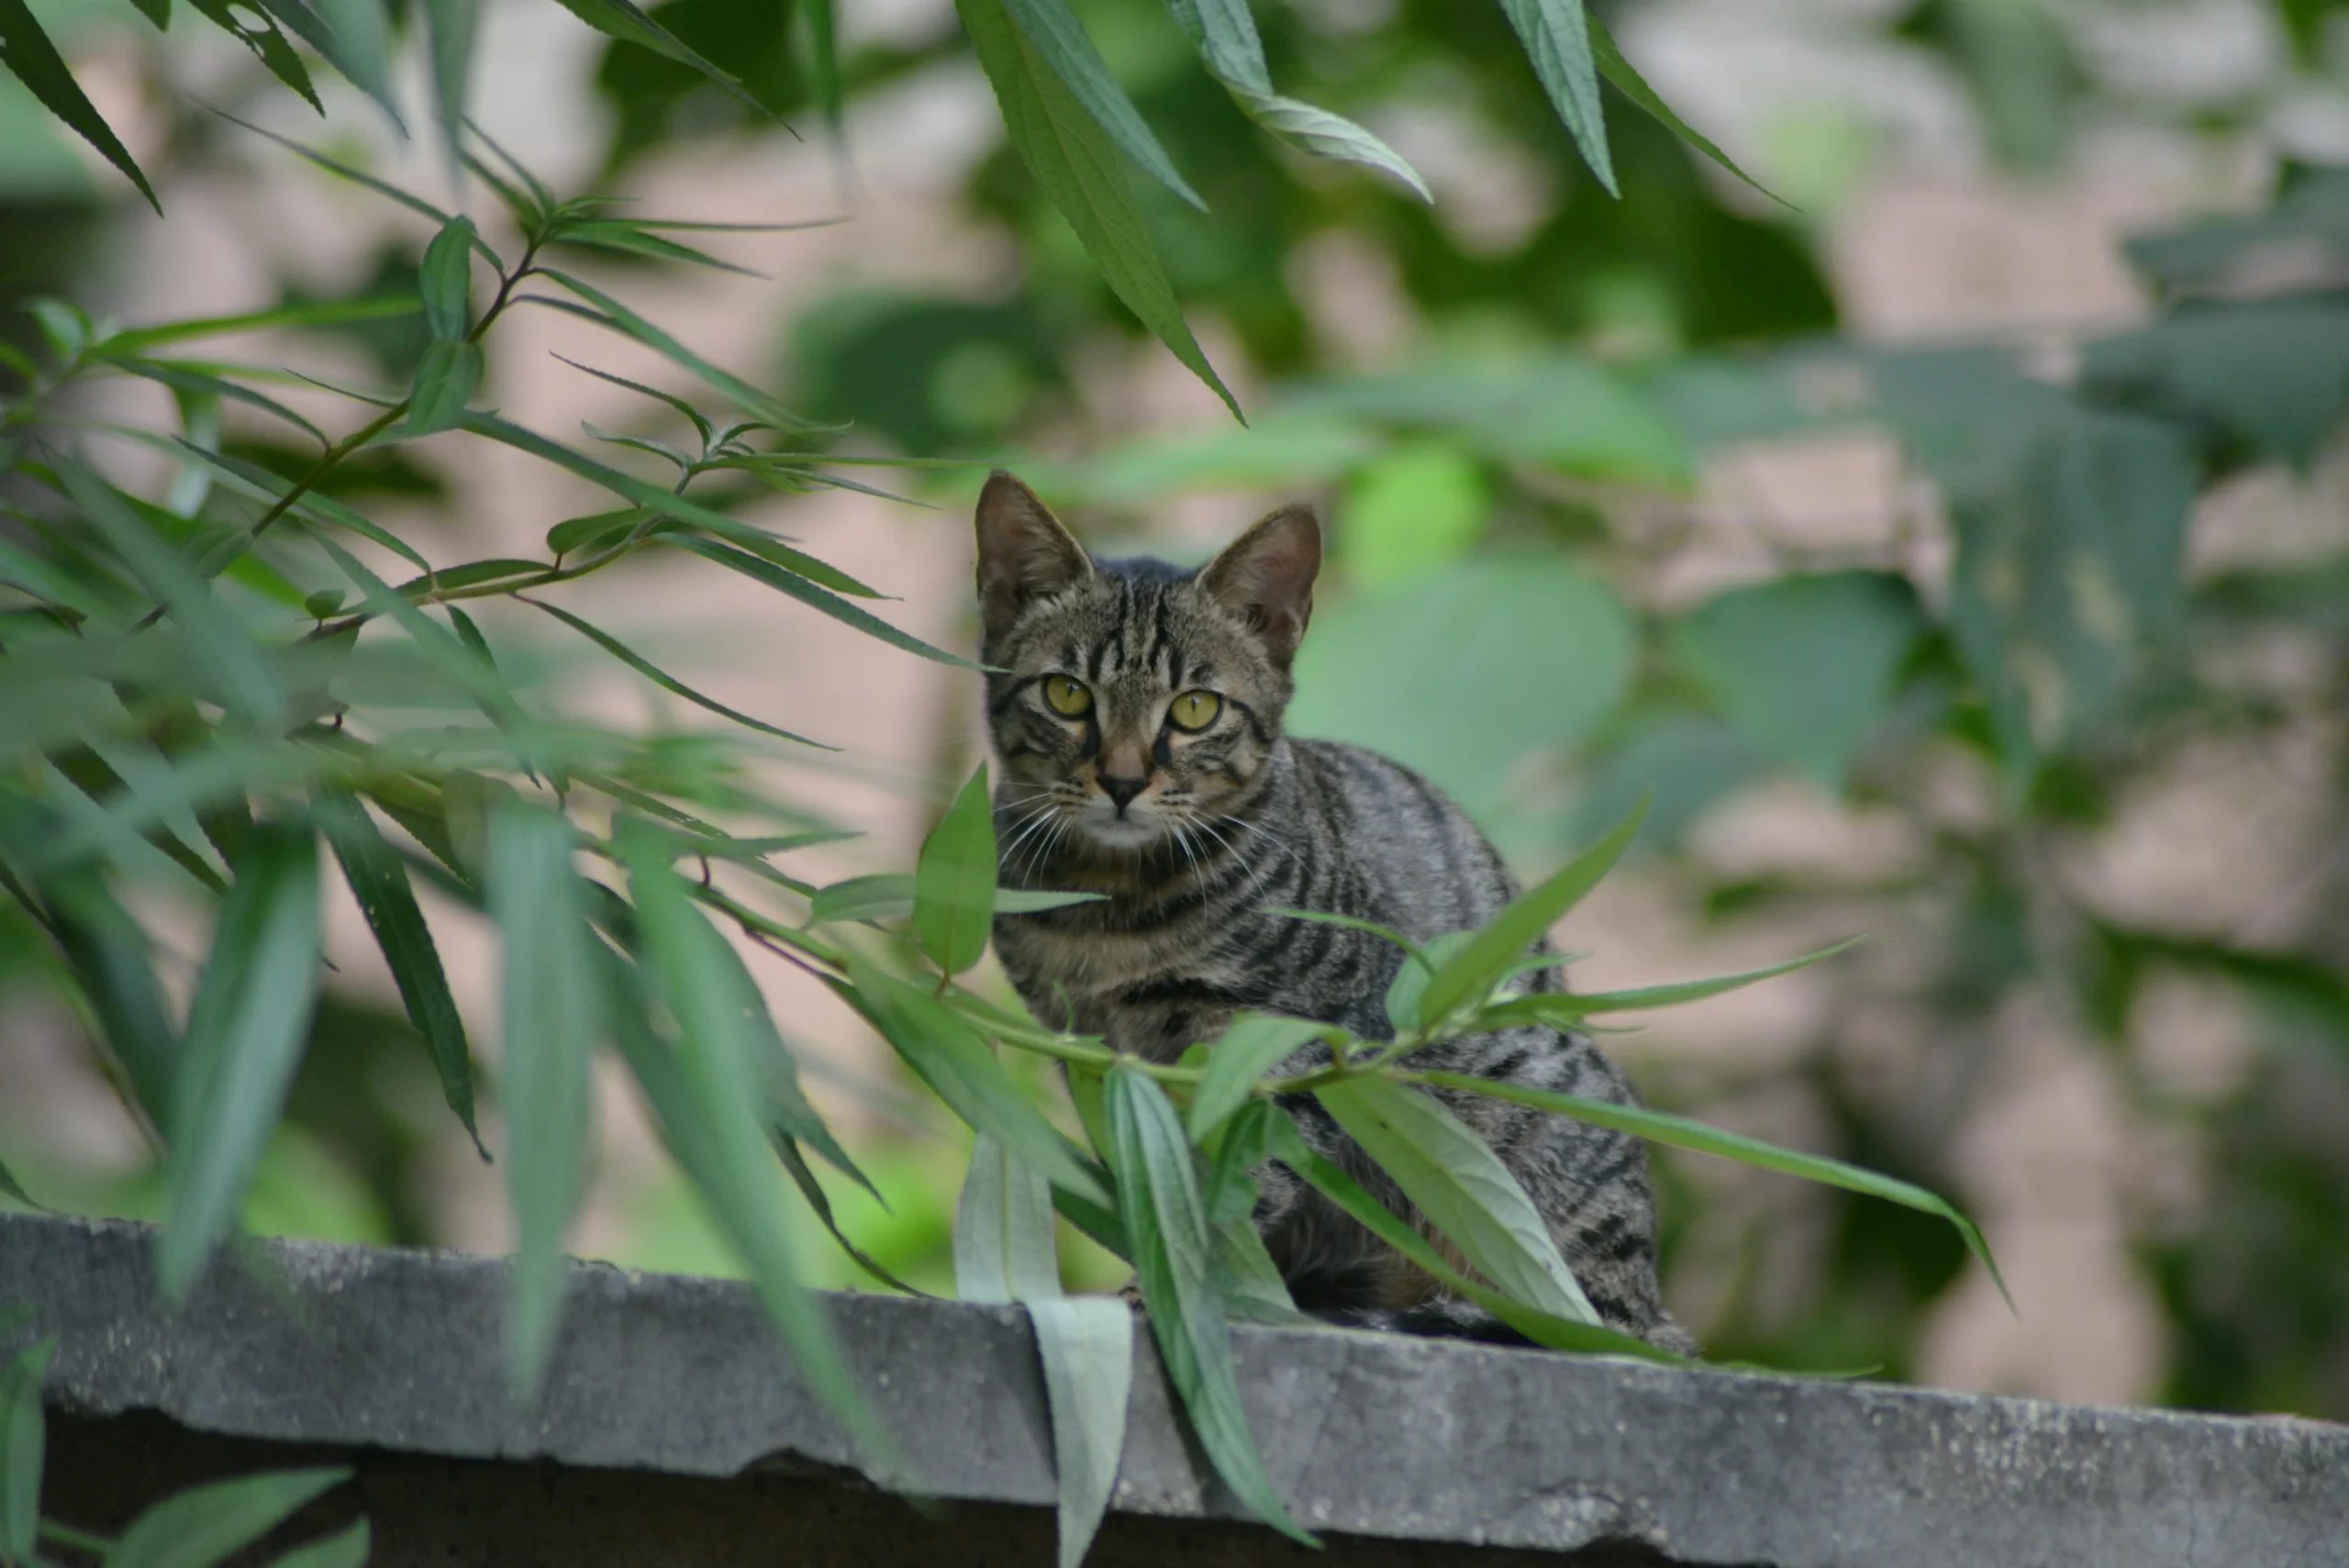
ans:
x=1136 y=709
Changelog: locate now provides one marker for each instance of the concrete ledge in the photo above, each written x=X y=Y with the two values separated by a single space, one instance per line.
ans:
x=397 y=1357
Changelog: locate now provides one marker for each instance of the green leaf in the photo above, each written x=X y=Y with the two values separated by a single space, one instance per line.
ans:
x=1247 y=1279
x=1288 y=1146
x=1564 y=1009
x=183 y=376
x=215 y=638
x=379 y=882
x=954 y=880
x=803 y=1176
x=618 y=19
x=1327 y=135
x=454 y=27
x=107 y=952
x=1054 y=32
x=1805 y=666
x=824 y=62
x=245 y=1033
x=10 y=1187
x=344 y=1548
x=330 y=313
x=2272 y=375
x=1165 y=1219
x=597 y=533
x=551 y=1017
x=1556 y=35
x=610 y=313
x=807 y=594
x=956 y=1063
x=706 y=1098
x=445 y=281
x=1490 y=954
x=207 y=1525
x=363 y=50
x=25 y=51
x=1628 y=81
x=23 y=1441
x=1224 y=32
x=268 y=44
x=446 y=379
x=1658 y=1127
x=382 y=188
x=889 y=895
x=659 y=677
x=1454 y=1178
x=1250 y=1047
x=1077 y=169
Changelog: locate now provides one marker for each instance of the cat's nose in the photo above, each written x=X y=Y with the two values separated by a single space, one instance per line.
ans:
x=1121 y=791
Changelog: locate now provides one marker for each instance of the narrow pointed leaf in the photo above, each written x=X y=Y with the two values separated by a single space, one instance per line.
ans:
x=1327 y=135
x=1454 y=1178
x=659 y=677
x=803 y=1176
x=444 y=281
x=1224 y=32
x=1086 y=1344
x=12 y=1188
x=344 y=171
x=446 y=378
x=207 y=1525
x=453 y=26
x=29 y=56
x=1078 y=170
x=24 y=1442
x=1060 y=38
x=889 y=895
x=344 y=1548
x=1565 y=1009
x=1003 y=1249
x=245 y=1032
x=1411 y=981
x=824 y=62
x=549 y=999
x=183 y=375
x=614 y=234
x=329 y=313
x=1556 y=35
x=1486 y=957
x=379 y=881
x=609 y=312
x=701 y=425
x=1248 y=1279
x=1628 y=81
x=1252 y=1046
x=107 y=952
x=954 y=880
x=362 y=51
x=1658 y=1127
x=1165 y=1219
x=268 y=43
x=618 y=19
x=816 y=599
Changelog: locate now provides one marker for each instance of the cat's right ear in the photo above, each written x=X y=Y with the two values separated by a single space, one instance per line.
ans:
x=1024 y=553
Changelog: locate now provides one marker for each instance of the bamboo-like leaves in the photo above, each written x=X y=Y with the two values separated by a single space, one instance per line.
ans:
x=1456 y=1179
x=347 y=1548
x=379 y=881
x=1563 y=1008
x=245 y=1033
x=1173 y=1248
x=24 y=1438
x=1061 y=40
x=453 y=26
x=1632 y=85
x=549 y=1001
x=1252 y=1046
x=33 y=60
x=954 y=880
x=1658 y=1127
x=1556 y=35
x=1003 y=1252
x=106 y=949
x=207 y=1525
x=1078 y=168
x=659 y=677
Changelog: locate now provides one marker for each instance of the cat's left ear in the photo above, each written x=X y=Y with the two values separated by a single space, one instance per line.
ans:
x=1265 y=577
x=1024 y=553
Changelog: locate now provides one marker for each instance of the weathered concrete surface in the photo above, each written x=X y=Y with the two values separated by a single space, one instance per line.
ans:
x=1373 y=1437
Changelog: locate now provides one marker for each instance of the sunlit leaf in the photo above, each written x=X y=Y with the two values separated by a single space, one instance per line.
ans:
x=204 y=1526
x=549 y=999
x=1556 y=35
x=1252 y=1046
x=23 y=1441
x=1328 y=135
x=379 y=882
x=1486 y=957
x=29 y=56
x=245 y=1032
x=1657 y=1126
x=1078 y=168
x=1166 y=1219
x=954 y=880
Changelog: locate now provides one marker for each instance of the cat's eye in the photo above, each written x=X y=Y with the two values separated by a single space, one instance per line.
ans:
x=1069 y=698
x=1194 y=711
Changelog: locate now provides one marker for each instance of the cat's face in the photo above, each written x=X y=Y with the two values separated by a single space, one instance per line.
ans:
x=1137 y=704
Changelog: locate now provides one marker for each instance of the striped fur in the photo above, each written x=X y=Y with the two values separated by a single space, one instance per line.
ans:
x=1224 y=825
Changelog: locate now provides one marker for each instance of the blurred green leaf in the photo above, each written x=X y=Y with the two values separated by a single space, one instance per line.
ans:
x=1632 y=85
x=824 y=62
x=204 y=1526
x=1684 y=761
x=2273 y=375
x=137 y=340
x=954 y=880
x=255 y=26
x=1003 y=1249
x=24 y=1446
x=1682 y=1133
x=551 y=1020
x=379 y=882
x=363 y=50
x=11 y=1187
x=185 y=376
x=1054 y=32
x=246 y=1029
x=1414 y=509
x=1077 y=169
x=1564 y=1009
x=1454 y=1179
x=1250 y=1047
x=889 y=895
x=453 y=26
x=619 y=20
x=660 y=678
x=1556 y=35
x=597 y=532
x=344 y=1548
x=956 y=1063
x=34 y=61
x=446 y=378
x=806 y=593
x=1491 y=953
x=605 y=311
x=1166 y=1220
x=107 y=952
x=1405 y=992
x=1806 y=664
x=445 y=281
x=1247 y=1279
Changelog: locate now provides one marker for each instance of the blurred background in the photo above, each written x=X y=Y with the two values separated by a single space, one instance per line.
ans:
x=1791 y=508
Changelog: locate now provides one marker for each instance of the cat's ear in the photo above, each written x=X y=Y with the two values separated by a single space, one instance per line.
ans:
x=1024 y=553
x=1265 y=577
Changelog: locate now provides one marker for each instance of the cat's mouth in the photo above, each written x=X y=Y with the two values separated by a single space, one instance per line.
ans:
x=1103 y=824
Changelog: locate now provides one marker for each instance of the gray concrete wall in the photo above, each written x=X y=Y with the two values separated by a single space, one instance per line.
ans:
x=673 y=1432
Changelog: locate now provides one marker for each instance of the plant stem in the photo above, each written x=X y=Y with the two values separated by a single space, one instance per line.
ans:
x=79 y=1540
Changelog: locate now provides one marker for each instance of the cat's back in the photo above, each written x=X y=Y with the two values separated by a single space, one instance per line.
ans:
x=1416 y=860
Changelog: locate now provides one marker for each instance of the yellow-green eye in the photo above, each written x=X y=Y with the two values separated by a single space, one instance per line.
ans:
x=1194 y=711
x=1069 y=698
